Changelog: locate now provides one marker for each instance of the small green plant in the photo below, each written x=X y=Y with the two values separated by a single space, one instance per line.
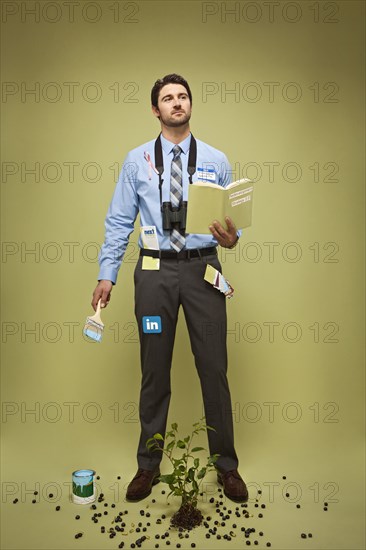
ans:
x=186 y=478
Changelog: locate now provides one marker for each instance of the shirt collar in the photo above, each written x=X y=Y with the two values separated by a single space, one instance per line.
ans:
x=168 y=145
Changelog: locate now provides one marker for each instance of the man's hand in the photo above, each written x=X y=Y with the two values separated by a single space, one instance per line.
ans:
x=224 y=238
x=103 y=291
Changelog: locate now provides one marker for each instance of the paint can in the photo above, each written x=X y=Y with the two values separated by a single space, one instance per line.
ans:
x=83 y=488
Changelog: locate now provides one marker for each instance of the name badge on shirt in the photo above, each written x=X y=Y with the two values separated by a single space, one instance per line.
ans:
x=206 y=174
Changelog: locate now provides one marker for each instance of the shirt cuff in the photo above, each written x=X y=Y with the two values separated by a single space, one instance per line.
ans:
x=109 y=274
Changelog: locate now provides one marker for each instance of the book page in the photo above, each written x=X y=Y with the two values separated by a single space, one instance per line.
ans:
x=217 y=186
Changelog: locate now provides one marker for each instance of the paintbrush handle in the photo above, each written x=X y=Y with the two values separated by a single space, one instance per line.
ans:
x=96 y=316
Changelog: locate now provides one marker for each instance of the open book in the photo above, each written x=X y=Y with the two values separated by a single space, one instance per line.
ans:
x=209 y=201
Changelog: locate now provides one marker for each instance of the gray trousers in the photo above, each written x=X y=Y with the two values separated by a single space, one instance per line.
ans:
x=160 y=293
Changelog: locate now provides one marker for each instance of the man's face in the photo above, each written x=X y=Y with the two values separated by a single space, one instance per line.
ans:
x=174 y=107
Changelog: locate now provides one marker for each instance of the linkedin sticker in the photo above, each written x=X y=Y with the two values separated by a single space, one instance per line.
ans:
x=151 y=324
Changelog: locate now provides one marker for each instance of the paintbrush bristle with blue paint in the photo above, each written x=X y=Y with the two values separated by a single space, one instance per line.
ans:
x=94 y=326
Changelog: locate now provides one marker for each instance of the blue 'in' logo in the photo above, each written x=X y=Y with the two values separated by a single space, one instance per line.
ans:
x=151 y=324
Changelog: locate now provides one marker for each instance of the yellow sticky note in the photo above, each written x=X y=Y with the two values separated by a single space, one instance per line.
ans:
x=210 y=274
x=149 y=263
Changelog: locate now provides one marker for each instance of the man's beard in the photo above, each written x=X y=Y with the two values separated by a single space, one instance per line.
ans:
x=176 y=122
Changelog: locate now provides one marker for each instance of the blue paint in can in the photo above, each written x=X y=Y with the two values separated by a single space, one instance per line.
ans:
x=83 y=489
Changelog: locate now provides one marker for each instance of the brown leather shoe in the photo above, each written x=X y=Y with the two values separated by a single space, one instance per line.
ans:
x=141 y=484
x=234 y=486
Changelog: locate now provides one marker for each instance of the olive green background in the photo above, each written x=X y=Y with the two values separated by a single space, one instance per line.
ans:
x=296 y=340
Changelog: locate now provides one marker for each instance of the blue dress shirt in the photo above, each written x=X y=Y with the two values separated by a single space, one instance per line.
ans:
x=137 y=190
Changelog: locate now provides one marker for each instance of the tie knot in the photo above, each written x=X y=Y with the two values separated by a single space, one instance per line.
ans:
x=176 y=151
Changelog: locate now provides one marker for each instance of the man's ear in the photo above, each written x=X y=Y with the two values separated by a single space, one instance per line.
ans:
x=155 y=111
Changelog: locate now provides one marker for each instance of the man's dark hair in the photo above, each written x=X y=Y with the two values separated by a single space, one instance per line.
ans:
x=168 y=79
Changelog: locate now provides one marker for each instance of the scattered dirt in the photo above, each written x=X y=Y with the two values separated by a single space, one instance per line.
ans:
x=187 y=517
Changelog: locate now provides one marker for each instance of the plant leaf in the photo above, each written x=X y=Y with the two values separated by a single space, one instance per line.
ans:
x=181 y=444
x=191 y=474
x=195 y=449
x=201 y=473
x=170 y=445
x=168 y=478
x=158 y=436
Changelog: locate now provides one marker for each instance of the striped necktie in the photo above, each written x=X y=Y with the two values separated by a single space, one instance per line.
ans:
x=177 y=240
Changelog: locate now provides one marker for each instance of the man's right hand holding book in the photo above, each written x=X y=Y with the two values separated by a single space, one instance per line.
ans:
x=226 y=238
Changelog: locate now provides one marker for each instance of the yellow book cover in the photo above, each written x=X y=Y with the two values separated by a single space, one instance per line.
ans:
x=209 y=201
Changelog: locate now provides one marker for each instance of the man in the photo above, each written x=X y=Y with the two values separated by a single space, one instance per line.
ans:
x=154 y=178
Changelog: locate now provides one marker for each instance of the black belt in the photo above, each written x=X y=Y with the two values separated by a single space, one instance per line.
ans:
x=182 y=255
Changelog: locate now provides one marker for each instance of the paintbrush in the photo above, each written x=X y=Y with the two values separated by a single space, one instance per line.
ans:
x=94 y=326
